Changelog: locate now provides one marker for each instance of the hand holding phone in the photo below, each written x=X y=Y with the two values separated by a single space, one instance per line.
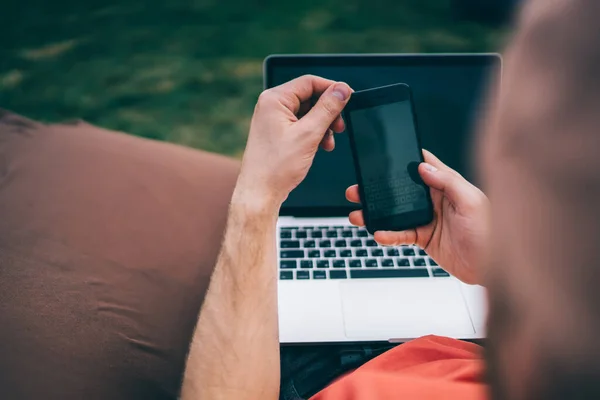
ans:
x=456 y=237
x=385 y=144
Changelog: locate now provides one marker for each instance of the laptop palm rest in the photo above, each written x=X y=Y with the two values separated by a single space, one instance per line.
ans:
x=404 y=308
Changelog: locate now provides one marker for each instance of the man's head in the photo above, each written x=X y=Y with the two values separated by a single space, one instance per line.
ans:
x=541 y=162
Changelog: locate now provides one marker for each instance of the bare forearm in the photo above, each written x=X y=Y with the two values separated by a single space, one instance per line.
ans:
x=235 y=349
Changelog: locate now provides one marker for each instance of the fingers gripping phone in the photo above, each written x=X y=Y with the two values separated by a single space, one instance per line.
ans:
x=383 y=134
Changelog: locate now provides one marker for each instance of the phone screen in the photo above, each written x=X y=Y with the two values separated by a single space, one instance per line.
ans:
x=388 y=156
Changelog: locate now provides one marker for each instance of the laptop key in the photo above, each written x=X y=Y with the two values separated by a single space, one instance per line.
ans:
x=362 y=233
x=355 y=264
x=289 y=244
x=377 y=252
x=285 y=234
x=306 y=264
x=314 y=253
x=301 y=235
x=339 y=264
x=438 y=272
x=309 y=244
x=432 y=262
x=319 y=275
x=402 y=262
x=332 y=234
x=408 y=252
x=422 y=252
x=325 y=243
x=389 y=273
x=371 y=263
x=323 y=264
x=356 y=243
x=393 y=252
x=371 y=243
x=329 y=253
x=387 y=262
x=340 y=243
x=286 y=275
x=345 y=253
x=292 y=254
x=302 y=275
x=347 y=233
x=361 y=253
x=287 y=264
x=337 y=274
x=316 y=234
x=419 y=262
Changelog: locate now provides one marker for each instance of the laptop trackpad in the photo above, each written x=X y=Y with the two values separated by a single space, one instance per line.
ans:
x=404 y=309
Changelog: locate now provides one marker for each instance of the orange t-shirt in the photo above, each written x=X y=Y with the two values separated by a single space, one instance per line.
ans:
x=430 y=367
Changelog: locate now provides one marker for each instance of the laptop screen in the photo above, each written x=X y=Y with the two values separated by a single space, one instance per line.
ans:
x=447 y=90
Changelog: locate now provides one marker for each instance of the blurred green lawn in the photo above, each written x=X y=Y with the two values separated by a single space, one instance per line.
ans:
x=190 y=71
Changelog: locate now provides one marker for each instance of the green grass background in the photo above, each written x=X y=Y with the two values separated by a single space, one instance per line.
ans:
x=190 y=71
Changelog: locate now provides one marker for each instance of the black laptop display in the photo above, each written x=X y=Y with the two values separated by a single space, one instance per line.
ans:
x=448 y=93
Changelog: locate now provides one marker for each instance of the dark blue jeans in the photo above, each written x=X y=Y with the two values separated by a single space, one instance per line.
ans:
x=305 y=370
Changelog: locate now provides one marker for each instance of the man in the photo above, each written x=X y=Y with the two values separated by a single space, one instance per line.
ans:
x=237 y=328
x=537 y=254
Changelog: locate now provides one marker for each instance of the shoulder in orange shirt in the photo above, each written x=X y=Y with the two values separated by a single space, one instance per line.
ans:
x=430 y=367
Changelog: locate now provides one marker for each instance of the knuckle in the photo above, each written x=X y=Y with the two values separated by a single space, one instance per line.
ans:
x=457 y=174
x=308 y=77
x=480 y=200
x=475 y=200
x=329 y=107
x=445 y=178
x=455 y=180
x=289 y=100
x=266 y=97
x=399 y=240
x=452 y=179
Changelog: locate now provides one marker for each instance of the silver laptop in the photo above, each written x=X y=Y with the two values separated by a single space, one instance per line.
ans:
x=336 y=284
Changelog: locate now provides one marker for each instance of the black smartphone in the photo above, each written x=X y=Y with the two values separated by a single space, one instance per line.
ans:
x=385 y=143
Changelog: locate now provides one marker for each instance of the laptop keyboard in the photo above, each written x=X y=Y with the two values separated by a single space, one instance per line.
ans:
x=344 y=252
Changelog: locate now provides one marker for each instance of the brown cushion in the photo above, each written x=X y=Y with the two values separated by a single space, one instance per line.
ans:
x=107 y=242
